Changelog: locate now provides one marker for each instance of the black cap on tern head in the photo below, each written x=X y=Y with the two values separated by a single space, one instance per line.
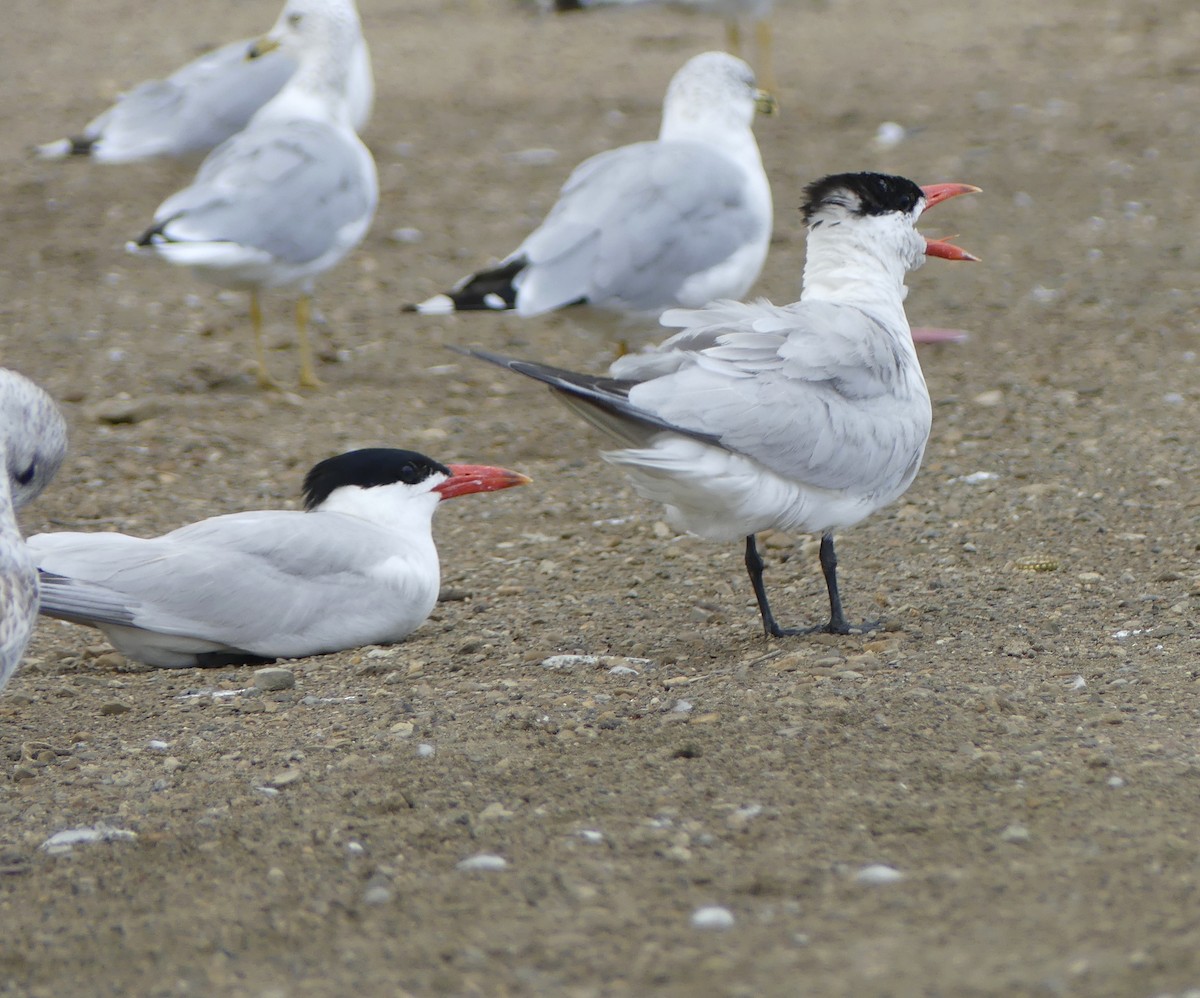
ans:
x=366 y=468
x=861 y=193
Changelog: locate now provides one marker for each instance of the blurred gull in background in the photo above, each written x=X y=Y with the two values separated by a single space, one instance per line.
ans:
x=288 y=198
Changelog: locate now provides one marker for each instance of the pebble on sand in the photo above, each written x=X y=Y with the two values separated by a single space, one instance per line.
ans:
x=486 y=861
x=1015 y=834
x=878 y=873
x=274 y=678
x=66 y=840
x=712 y=918
x=377 y=894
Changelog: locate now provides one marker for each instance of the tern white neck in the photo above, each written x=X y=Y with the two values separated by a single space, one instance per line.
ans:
x=396 y=508
x=862 y=265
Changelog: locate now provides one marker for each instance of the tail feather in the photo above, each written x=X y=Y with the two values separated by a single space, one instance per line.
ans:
x=155 y=234
x=77 y=145
x=603 y=402
x=82 y=602
x=487 y=291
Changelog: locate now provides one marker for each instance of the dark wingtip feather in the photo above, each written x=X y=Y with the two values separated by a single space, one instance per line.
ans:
x=488 y=290
x=147 y=238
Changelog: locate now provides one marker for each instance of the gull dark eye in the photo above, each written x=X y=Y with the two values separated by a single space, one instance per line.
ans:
x=26 y=476
x=295 y=19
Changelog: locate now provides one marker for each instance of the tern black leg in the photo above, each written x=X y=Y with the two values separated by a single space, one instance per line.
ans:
x=837 y=620
x=754 y=566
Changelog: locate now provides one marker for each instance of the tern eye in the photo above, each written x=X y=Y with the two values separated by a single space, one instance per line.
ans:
x=295 y=19
x=408 y=474
x=26 y=476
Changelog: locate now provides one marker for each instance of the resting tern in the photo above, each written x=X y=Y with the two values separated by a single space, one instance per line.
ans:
x=677 y=221
x=199 y=106
x=288 y=198
x=33 y=442
x=803 y=417
x=357 y=566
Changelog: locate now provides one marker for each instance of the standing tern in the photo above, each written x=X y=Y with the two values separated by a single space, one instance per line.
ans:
x=677 y=221
x=803 y=417
x=199 y=106
x=357 y=566
x=33 y=442
x=288 y=198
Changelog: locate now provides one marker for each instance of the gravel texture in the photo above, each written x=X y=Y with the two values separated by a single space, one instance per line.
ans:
x=594 y=704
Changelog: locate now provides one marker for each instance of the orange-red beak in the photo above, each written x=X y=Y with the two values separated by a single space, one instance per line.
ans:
x=935 y=194
x=467 y=478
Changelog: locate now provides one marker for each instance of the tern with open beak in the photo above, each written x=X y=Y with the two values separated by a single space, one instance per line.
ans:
x=803 y=417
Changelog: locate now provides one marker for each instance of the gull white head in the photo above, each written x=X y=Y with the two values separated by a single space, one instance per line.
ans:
x=713 y=91
x=33 y=436
x=321 y=35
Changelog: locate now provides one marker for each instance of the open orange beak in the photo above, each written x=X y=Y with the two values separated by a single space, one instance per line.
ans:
x=936 y=194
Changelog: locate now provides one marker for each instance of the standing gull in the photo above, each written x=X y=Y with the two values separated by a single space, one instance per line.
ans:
x=199 y=106
x=33 y=442
x=358 y=566
x=639 y=229
x=806 y=417
x=288 y=198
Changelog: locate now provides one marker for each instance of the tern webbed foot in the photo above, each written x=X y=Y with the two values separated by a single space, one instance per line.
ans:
x=831 y=627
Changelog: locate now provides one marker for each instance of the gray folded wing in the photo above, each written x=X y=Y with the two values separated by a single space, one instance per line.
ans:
x=82 y=602
x=193 y=110
x=631 y=225
x=201 y=105
x=285 y=188
x=248 y=580
x=820 y=393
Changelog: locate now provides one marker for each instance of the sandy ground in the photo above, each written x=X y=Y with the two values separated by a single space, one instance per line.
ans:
x=1021 y=742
